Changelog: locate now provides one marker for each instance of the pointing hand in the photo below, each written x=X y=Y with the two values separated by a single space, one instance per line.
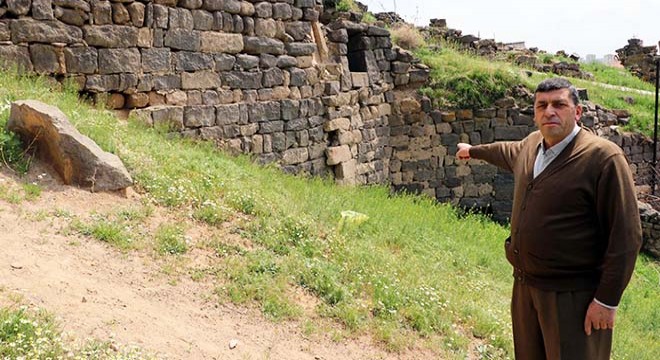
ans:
x=463 y=152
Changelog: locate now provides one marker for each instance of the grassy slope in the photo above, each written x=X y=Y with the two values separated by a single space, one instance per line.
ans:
x=462 y=80
x=414 y=272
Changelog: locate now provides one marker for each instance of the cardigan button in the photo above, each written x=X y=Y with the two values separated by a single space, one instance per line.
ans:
x=530 y=186
x=515 y=251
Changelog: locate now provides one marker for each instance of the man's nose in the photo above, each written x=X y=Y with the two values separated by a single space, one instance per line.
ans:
x=550 y=110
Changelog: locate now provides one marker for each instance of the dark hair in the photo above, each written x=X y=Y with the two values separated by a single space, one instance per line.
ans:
x=552 y=84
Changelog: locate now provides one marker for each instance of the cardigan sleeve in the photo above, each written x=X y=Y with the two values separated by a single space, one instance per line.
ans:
x=618 y=214
x=502 y=154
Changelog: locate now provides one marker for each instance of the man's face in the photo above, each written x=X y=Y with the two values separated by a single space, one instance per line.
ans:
x=555 y=115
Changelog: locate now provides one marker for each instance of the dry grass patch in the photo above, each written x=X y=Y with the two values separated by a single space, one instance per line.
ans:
x=407 y=36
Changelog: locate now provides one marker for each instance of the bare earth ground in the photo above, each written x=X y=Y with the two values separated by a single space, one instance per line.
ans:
x=96 y=291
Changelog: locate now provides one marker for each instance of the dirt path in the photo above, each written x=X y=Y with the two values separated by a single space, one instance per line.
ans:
x=98 y=292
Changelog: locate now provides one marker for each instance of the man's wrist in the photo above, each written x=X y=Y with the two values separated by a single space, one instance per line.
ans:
x=605 y=305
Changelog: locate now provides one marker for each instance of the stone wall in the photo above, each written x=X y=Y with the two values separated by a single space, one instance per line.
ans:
x=145 y=53
x=424 y=140
x=639 y=59
x=260 y=77
x=650 y=228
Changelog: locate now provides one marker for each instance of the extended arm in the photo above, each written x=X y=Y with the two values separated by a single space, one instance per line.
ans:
x=502 y=154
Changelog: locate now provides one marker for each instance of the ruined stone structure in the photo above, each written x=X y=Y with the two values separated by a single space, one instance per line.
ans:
x=264 y=77
x=268 y=78
x=639 y=59
x=517 y=51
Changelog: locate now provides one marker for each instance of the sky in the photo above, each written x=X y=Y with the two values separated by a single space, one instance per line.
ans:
x=584 y=27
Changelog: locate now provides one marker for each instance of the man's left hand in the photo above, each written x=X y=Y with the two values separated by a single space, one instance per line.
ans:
x=598 y=317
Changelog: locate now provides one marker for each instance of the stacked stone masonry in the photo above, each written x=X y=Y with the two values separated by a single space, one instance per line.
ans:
x=261 y=77
x=424 y=140
x=639 y=59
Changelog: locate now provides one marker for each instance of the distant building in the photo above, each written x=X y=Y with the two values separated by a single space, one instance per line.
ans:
x=611 y=60
x=520 y=45
x=590 y=58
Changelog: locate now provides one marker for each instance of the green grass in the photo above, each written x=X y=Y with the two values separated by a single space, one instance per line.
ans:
x=16 y=195
x=103 y=229
x=616 y=76
x=34 y=334
x=463 y=80
x=346 y=5
x=170 y=240
x=414 y=272
x=123 y=228
x=32 y=191
x=12 y=154
x=28 y=335
x=642 y=109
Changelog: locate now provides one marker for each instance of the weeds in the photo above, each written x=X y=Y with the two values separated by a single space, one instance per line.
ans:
x=22 y=336
x=245 y=203
x=102 y=229
x=15 y=195
x=214 y=214
x=123 y=229
x=259 y=277
x=368 y=18
x=32 y=191
x=407 y=36
x=33 y=334
x=223 y=249
x=11 y=151
x=170 y=240
x=346 y=5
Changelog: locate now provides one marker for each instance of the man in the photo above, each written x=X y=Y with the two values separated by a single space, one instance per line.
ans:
x=575 y=230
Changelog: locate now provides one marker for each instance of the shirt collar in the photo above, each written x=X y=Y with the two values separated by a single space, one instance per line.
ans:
x=560 y=145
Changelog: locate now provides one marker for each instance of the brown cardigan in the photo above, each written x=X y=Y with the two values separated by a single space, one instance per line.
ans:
x=576 y=226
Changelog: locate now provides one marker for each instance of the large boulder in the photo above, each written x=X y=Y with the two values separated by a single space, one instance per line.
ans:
x=74 y=156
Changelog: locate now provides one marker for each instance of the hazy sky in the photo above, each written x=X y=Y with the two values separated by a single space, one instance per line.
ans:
x=577 y=26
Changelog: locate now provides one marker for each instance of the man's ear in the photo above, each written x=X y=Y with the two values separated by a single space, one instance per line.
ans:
x=578 y=112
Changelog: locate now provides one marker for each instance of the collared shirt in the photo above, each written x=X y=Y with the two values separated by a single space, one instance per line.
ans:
x=545 y=156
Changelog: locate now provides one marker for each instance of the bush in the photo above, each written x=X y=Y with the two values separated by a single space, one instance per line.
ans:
x=368 y=18
x=12 y=153
x=346 y=5
x=407 y=36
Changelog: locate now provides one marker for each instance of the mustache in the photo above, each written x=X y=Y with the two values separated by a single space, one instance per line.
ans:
x=553 y=120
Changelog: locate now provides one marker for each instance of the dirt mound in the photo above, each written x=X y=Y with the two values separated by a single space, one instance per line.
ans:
x=96 y=291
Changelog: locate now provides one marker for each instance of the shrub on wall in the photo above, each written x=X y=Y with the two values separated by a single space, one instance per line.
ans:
x=407 y=36
x=347 y=5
